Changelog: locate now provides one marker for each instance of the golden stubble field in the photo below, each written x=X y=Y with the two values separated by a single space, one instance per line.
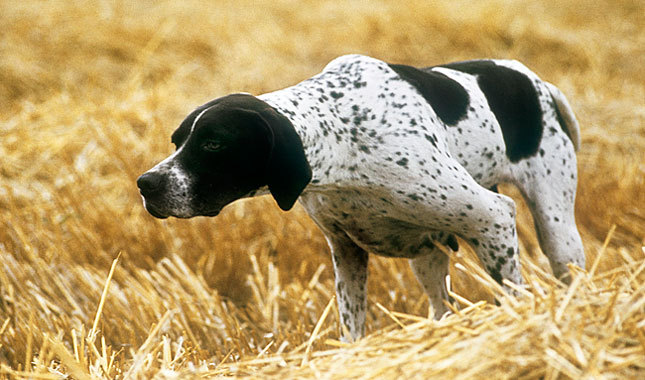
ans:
x=91 y=286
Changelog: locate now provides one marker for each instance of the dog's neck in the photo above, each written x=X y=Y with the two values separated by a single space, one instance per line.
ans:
x=327 y=165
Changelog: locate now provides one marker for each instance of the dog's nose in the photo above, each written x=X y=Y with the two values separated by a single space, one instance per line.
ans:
x=150 y=183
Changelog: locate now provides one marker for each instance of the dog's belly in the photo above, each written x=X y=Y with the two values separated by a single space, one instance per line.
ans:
x=377 y=225
x=392 y=238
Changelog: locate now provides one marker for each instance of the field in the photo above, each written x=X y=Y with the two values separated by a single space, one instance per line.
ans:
x=91 y=286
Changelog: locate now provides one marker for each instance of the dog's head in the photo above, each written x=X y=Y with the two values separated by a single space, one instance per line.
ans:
x=227 y=149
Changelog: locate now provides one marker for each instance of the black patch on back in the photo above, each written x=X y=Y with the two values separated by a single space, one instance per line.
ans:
x=514 y=101
x=448 y=98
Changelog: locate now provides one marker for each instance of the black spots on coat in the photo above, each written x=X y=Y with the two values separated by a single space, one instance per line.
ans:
x=385 y=200
x=552 y=131
x=354 y=133
x=494 y=273
x=336 y=95
x=426 y=243
x=359 y=84
x=384 y=121
x=448 y=98
x=360 y=115
x=513 y=99
x=501 y=261
x=364 y=148
x=414 y=197
x=287 y=112
x=433 y=139
x=403 y=162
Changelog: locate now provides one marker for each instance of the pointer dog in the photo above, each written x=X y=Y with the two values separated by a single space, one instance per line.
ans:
x=390 y=159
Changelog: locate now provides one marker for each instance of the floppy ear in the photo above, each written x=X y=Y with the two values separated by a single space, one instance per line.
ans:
x=288 y=171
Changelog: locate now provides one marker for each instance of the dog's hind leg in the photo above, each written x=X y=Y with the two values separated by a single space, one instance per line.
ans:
x=552 y=205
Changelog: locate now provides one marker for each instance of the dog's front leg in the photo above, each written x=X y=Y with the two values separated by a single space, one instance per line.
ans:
x=350 y=268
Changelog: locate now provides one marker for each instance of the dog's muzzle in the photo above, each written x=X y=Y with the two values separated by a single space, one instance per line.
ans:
x=151 y=184
x=152 y=187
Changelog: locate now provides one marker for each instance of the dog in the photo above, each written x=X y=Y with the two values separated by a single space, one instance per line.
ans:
x=392 y=160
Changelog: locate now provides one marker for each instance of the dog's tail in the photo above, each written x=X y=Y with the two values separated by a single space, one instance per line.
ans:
x=565 y=115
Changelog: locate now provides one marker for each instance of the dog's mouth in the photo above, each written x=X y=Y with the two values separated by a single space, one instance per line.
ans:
x=154 y=212
x=212 y=213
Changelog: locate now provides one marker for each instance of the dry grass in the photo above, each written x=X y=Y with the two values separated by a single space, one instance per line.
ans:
x=89 y=94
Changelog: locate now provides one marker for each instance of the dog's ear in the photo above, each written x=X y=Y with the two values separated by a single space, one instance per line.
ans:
x=288 y=171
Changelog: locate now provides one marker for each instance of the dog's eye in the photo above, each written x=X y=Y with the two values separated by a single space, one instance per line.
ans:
x=212 y=146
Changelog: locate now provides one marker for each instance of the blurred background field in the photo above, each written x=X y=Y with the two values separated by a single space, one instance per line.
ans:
x=90 y=92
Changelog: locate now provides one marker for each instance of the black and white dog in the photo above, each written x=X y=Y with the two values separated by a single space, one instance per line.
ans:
x=390 y=159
